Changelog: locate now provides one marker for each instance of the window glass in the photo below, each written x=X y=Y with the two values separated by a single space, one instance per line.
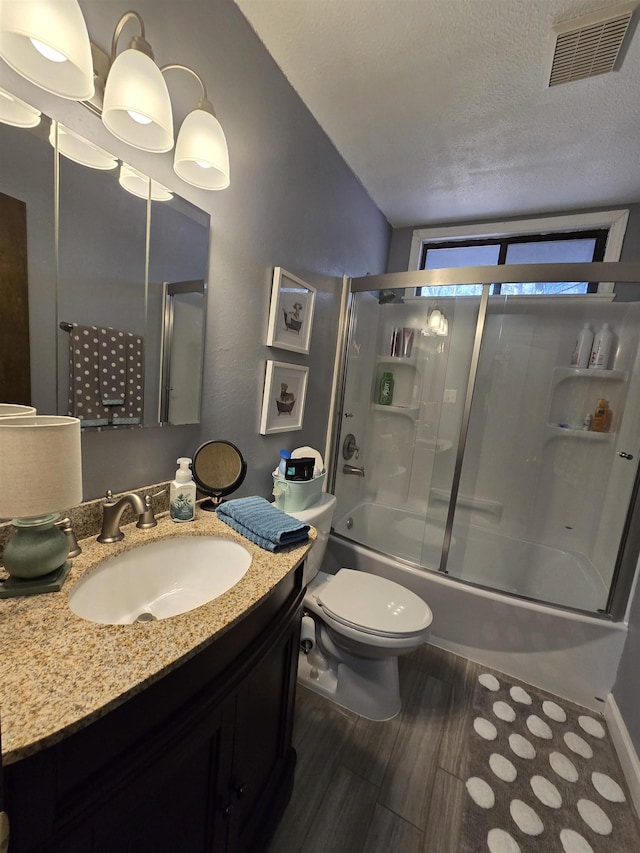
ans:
x=551 y=252
x=462 y=256
x=578 y=247
x=579 y=250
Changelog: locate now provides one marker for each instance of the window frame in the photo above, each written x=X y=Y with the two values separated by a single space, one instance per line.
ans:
x=613 y=221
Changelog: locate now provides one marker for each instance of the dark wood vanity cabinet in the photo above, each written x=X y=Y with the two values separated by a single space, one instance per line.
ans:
x=201 y=760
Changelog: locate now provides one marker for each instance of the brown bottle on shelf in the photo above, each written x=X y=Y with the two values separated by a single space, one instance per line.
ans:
x=601 y=420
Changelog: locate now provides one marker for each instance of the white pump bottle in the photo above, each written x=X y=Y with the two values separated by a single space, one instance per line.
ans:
x=182 y=493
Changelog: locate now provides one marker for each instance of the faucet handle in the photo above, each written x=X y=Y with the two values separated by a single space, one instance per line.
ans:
x=147 y=519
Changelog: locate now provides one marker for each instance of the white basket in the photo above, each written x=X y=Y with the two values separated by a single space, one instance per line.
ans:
x=295 y=495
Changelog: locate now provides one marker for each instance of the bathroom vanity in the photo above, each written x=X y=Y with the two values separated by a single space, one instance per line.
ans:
x=163 y=736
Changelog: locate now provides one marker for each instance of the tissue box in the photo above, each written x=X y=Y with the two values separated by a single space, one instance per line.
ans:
x=293 y=496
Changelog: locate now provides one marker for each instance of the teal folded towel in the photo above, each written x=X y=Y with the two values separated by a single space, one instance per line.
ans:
x=263 y=523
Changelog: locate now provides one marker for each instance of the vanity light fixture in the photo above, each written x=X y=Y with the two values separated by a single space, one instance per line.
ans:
x=201 y=156
x=136 y=106
x=47 y=42
x=40 y=474
x=138 y=184
x=17 y=113
x=80 y=150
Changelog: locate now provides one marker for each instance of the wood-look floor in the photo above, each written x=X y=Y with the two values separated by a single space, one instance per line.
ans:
x=392 y=787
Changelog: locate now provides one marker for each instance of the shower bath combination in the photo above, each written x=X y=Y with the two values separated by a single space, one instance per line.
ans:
x=484 y=491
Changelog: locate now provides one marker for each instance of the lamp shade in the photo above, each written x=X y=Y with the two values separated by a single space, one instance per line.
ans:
x=136 y=183
x=136 y=106
x=80 y=150
x=47 y=42
x=40 y=465
x=17 y=113
x=202 y=157
x=13 y=410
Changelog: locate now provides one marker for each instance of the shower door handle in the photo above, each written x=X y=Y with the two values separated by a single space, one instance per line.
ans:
x=624 y=455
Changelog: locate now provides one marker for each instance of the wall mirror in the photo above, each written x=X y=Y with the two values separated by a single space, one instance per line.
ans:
x=116 y=252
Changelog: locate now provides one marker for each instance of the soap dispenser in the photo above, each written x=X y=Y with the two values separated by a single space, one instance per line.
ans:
x=182 y=493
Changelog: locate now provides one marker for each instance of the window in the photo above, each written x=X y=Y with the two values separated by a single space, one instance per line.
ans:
x=583 y=238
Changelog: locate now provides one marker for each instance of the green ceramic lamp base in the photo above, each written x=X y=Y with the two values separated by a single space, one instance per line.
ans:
x=36 y=549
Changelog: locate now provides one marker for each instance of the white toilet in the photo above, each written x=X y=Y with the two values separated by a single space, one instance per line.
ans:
x=362 y=623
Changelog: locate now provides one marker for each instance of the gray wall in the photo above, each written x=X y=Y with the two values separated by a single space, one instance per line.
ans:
x=292 y=203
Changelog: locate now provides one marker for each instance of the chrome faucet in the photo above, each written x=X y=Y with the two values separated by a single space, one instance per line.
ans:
x=112 y=514
x=353 y=469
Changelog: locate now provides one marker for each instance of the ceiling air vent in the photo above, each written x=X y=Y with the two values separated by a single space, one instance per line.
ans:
x=590 y=45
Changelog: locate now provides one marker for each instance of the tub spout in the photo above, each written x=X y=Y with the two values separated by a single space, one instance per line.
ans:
x=353 y=469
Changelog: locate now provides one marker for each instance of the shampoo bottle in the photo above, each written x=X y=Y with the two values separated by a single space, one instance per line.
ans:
x=582 y=348
x=182 y=493
x=601 y=420
x=601 y=348
x=385 y=396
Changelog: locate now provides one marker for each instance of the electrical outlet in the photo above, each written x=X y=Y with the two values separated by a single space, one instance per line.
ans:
x=450 y=395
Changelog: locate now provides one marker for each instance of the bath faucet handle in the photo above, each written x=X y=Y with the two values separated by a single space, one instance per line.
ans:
x=148 y=519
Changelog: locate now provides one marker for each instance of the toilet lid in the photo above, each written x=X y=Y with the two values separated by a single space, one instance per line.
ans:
x=374 y=605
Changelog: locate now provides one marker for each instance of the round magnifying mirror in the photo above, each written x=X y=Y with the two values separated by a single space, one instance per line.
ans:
x=218 y=469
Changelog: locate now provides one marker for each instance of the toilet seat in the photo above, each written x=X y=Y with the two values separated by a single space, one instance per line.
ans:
x=373 y=605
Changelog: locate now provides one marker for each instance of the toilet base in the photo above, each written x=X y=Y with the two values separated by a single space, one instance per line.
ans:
x=373 y=691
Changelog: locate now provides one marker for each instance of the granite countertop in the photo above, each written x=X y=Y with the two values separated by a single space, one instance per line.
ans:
x=60 y=672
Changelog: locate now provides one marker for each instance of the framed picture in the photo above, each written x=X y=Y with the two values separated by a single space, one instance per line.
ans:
x=285 y=391
x=291 y=312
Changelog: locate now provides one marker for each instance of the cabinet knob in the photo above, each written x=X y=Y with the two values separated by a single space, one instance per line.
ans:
x=241 y=790
x=624 y=455
x=226 y=810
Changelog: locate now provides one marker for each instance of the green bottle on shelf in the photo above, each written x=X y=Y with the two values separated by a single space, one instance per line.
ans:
x=385 y=397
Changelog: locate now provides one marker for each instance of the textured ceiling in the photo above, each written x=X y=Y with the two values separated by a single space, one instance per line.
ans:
x=442 y=109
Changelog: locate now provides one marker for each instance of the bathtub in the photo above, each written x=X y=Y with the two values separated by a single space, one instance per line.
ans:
x=573 y=655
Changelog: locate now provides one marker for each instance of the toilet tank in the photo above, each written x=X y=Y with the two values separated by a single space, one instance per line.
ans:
x=320 y=515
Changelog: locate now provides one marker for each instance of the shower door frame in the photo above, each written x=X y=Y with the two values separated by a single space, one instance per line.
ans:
x=608 y=272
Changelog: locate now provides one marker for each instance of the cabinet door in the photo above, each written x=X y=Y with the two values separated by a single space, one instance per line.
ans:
x=178 y=802
x=264 y=758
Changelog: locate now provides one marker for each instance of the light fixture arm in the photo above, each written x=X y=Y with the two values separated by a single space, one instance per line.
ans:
x=137 y=42
x=204 y=103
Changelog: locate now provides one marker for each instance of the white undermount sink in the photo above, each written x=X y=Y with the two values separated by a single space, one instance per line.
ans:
x=159 y=580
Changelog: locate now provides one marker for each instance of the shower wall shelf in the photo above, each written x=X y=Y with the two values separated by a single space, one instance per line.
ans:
x=554 y=431
x=560 y=373
x=575 y=392
x=406 y=379
x=411 y=412
x=404 y=360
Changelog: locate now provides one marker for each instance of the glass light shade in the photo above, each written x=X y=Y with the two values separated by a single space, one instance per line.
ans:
x=135 y=85
x=40 y=465
x=55 y=25
x=202 y=157
x=80 y=150
x=435 y=318
x=136 y=183
x=18 y=113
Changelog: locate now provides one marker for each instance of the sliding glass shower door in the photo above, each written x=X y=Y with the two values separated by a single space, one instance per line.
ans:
x=408 y=363
x=543 y=496
x=466 y=441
